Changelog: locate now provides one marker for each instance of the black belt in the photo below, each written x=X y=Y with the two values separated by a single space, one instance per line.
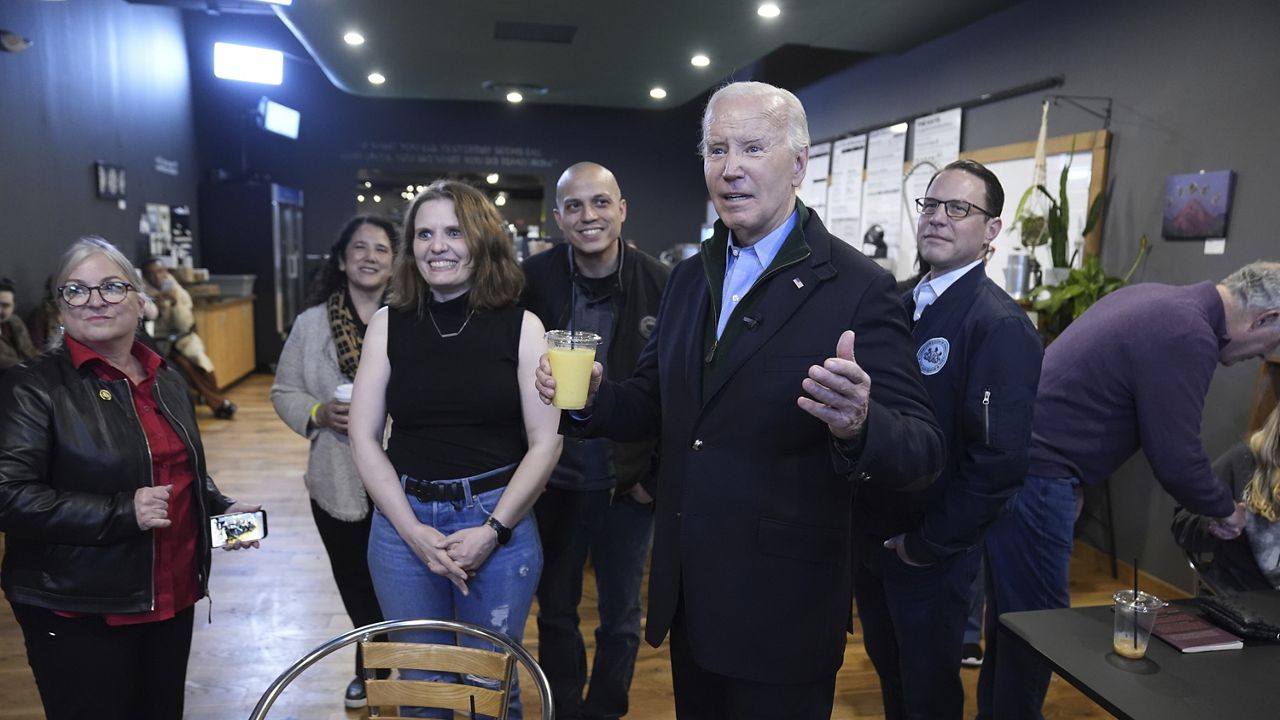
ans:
x=456 y=490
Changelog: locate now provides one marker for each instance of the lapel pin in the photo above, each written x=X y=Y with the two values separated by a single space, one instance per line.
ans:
x=797 y=282
x=104 y=394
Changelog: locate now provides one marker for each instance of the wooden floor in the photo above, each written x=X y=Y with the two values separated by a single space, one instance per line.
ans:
x=271 y=606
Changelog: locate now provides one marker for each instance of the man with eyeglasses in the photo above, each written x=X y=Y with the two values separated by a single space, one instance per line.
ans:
x=15 y=342
x=979 y=356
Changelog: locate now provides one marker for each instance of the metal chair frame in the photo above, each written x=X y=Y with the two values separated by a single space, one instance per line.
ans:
x=367 y=633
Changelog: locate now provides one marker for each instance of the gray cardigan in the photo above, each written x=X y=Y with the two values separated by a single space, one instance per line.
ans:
x=307 y=374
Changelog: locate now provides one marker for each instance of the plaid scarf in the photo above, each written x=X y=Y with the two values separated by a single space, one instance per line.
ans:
x=347 y=338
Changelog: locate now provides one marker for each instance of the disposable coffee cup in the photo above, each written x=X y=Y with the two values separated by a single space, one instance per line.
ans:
x=572 y=355
x=1134 y=617
x=342 y=393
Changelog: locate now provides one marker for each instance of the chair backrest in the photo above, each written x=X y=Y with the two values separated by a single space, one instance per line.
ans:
x=496 y=665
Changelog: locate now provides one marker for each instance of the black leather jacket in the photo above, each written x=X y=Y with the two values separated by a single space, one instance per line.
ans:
x=72 y=455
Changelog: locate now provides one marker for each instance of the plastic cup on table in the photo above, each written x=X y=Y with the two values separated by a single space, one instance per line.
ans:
x=1135 y=614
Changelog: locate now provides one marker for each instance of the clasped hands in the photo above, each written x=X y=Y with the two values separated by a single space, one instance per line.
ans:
x=457 y=556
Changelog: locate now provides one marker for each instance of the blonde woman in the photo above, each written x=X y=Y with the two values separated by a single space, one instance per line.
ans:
x=1252 y=560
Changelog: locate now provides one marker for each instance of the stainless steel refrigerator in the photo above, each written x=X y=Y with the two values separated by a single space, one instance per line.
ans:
x=250 y=227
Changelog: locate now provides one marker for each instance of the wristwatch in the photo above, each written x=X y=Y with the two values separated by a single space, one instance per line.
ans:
x=504 y=532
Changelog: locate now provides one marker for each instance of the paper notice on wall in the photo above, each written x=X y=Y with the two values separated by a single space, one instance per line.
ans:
x=936 y=138
x=813 y=190
x=882 y=198
x=844 y=197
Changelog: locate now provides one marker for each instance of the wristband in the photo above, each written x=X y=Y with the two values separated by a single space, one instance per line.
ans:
x=314 y=409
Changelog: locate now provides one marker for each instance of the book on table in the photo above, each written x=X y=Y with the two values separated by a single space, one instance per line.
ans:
x=1191 y=633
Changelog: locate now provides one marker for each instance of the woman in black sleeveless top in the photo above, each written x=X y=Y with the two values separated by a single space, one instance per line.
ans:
x=452 y=360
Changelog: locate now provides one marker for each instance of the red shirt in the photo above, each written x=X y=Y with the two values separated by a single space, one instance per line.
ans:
x=174 y=576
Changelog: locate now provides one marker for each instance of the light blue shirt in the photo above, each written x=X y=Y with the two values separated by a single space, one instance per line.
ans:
x=743 y=266
x=928 y=291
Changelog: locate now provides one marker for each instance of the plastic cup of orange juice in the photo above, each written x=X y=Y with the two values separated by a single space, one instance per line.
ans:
x=572 y=354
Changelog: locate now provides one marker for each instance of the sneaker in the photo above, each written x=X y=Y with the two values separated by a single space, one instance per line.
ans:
x=971 y=655
x=225 y=411
x=355 y=697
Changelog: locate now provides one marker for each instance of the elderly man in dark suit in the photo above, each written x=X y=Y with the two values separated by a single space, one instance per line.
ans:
x=765 y=433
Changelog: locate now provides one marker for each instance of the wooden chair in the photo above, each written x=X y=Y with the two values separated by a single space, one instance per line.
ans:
x=496 y=665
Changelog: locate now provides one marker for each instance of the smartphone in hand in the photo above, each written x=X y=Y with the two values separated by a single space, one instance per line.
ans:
x=242 y=526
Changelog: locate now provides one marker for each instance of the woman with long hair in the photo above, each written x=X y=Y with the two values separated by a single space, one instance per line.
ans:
x=322 y=354
x=452 y=361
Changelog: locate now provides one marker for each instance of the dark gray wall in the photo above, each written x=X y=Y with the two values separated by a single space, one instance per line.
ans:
x=1194 y=87
x=652 y=153
x=105 y=81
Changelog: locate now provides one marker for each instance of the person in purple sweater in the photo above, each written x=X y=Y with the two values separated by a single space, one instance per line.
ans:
x=1130 y=373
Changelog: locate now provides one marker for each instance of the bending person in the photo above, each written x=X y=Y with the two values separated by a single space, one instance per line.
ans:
x=1250 y=561
x=176 y=337
x=323 y=352
x=452 y=362
x=105 y=501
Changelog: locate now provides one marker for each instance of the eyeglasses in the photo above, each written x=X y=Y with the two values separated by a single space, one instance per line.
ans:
x=955 y=209
x=111 y=292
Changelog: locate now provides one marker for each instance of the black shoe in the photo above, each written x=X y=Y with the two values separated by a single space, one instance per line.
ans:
x=355 y=697
x=225 y=411
x=971 y=655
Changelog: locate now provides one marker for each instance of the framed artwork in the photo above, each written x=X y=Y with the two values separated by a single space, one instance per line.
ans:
x=1197 y=205
x=111 y=181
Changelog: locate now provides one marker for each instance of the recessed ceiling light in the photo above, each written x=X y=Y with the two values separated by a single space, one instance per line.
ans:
x=492 y=178
x=657 y=93
x=500 y=200
x=353 y=38
x=768 y=10
x=377 y=198
x=377 y=78
x=359 y=198
x=368 y=184
x=514 y=97
x=700 y=60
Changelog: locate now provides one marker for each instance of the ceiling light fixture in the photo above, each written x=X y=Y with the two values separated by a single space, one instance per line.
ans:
x=359 y=198
x=657 y=93
x=500 y=200
x=377 y=78
x=353 y=38
x=368 y=184
x=700 y=61
x=492 y=178
x=513 y=92
x=377 y=198
x=768 y=10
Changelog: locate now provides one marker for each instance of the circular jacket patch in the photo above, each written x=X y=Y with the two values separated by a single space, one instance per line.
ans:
x=932 y=355
x=647 y=324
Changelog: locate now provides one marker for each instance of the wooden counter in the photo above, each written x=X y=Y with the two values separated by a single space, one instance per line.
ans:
x=226 y=326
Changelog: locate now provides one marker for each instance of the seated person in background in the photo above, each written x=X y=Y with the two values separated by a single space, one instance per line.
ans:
x=176 y=337
x=45 y=321
x=1250 y=561
x=15 y=343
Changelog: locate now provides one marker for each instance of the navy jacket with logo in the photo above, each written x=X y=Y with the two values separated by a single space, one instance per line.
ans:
x=979 y=357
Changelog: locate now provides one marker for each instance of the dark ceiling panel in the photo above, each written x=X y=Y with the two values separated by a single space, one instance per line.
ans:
x=533 y=32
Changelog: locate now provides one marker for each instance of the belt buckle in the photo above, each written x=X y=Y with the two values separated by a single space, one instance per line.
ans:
x=450 y=491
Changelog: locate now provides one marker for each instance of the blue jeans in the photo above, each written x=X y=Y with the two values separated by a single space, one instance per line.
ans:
x=912 y=627
x=501 y=592
x=572 y=524
x=1028 y=566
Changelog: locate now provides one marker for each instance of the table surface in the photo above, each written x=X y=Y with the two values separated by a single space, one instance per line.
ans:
x=1165 y=685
